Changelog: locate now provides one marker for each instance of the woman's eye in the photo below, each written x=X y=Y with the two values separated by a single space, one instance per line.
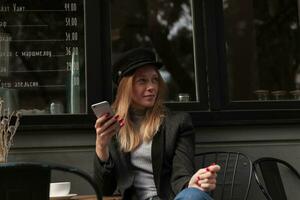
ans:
x=142 y=80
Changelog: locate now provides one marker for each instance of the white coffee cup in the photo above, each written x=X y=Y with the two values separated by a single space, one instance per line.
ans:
x=59 y=189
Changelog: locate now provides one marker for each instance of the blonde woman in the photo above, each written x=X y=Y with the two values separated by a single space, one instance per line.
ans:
x=145 y=151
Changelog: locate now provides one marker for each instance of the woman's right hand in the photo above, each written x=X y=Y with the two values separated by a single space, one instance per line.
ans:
x=106 y=127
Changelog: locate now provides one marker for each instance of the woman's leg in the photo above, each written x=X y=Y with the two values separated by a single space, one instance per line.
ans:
x=192 y=194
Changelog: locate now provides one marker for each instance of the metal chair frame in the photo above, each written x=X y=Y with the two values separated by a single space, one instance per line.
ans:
x=273 y=187
x=231 y=158
x=49 y=167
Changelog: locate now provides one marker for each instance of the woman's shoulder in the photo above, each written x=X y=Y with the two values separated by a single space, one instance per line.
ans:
x=178 y=121
x=177 y=115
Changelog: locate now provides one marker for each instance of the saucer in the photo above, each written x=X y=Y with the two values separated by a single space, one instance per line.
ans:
x=62 y=197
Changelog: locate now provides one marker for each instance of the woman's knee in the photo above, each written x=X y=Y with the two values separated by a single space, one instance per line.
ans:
x=192 y=194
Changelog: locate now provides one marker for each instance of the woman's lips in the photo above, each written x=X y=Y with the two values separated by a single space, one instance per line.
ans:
x=149 y=96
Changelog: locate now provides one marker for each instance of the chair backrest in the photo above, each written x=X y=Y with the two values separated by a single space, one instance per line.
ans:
x=30 y=181
x=234 y=178
x=267 y=172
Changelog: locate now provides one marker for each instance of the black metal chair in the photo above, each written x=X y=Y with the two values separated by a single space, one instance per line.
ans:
x=234 y=178
x=268 y=175
x=30 y=181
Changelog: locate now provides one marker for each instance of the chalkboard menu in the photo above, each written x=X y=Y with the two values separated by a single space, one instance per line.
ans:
x=42 y=56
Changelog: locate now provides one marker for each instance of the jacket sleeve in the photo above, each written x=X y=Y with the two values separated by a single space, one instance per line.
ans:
x=183 y=160
x=104 y=175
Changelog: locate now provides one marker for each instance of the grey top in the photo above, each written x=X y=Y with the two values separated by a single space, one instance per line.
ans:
x=143 y=172
x=142 y=162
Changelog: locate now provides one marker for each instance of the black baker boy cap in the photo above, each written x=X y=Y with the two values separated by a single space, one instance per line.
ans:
x=129 y=61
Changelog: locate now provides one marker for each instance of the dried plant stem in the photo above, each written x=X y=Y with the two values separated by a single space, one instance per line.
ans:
x=7 y=130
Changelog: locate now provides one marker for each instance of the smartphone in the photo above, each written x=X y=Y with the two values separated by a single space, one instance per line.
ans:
x=102 y=108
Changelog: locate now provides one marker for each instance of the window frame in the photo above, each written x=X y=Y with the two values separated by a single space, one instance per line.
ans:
x=218 y=69
x=199 y=63
x=214 y=107
x=222 y=110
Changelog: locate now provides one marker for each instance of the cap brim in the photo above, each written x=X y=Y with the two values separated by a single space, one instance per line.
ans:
x=132 y=68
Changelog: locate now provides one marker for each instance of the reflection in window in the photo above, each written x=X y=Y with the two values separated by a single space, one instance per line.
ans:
x=262 y=46
x=165 y=26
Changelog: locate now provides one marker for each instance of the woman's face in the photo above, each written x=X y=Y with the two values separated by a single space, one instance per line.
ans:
x=145 y=87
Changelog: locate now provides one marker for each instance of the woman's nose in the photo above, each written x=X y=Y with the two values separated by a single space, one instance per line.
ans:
x=150 y=86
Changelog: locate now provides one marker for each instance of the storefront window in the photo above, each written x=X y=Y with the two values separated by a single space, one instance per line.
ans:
x=165 y=26
x=262 y=47
x=42 y=56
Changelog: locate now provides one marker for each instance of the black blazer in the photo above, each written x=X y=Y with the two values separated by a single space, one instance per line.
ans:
x=172 y=160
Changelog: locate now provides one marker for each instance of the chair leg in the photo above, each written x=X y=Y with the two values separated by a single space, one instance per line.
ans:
x=273 y=181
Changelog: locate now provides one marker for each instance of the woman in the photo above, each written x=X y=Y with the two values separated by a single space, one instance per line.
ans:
x=145 y=151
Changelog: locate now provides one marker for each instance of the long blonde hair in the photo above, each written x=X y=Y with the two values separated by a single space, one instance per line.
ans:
x=130 y=138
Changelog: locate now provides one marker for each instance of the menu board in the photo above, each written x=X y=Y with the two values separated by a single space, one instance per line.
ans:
x=42 y=55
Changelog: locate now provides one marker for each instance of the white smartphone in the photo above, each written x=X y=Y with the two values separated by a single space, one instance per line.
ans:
x=102 y=108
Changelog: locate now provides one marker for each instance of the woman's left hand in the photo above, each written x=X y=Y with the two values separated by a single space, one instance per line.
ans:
x=205 y=178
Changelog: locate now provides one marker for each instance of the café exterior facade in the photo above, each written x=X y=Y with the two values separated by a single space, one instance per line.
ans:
x=233 y=65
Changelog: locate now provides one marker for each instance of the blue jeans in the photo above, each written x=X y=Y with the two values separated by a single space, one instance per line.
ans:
x=192 y=194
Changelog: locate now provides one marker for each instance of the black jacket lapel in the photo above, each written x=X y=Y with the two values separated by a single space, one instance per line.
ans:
x=157 y=153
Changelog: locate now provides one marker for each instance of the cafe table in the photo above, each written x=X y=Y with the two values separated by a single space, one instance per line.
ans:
x=93 y=197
